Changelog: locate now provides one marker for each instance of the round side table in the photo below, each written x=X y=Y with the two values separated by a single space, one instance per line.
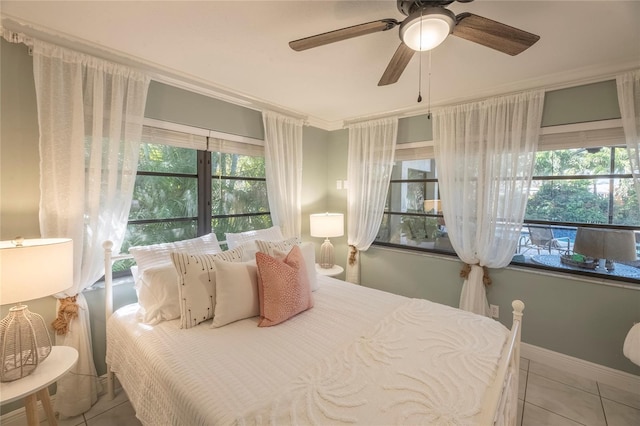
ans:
x=329 y=272
x=35 y=385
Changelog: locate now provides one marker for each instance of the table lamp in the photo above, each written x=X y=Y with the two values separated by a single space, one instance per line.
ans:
x=29 y=269
x=606 y=245
x=326 y=225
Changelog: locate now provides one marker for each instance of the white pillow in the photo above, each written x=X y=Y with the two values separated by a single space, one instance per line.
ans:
x=269 y=234
x=309 y=253
x=268 y=247
x=197 y=284
x=158 y=295
x=159 y=254
x=236 y=292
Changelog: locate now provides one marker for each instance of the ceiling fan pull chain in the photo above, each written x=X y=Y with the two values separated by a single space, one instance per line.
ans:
x=420 y=63
x=429 y=89
x=420 y=79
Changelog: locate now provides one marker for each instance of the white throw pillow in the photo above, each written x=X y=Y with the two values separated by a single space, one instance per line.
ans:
x=197 y=284
x=157 y=290
x=309 y=253
x=159 y=254
x=269 y=234
x=236 y=292
x=268 y=247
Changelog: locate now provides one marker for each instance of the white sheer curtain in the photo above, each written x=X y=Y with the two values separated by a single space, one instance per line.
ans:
x=283 y=169
x=485 y=152
x=629 y=100
x=90 y=116
x=372 y=146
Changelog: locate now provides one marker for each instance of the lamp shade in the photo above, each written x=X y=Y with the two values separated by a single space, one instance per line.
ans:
x=426 y=28
x=606 y=244
x=37 y=268
x=326 y=225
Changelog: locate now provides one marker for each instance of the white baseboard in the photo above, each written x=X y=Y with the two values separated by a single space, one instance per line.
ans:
x=19 y=416
x=616 y=378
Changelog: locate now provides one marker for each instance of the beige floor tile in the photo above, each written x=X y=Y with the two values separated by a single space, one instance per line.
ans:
x=522 y=384
x=536 y=416
x=74 y=421
x=105 y=404
x=620 y=414
x=619 y=395
x=520 y=408
x=564 y=400
x=122 y=415
x=561 y=376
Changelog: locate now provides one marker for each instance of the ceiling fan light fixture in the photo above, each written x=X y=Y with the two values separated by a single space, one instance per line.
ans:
x=427 y=28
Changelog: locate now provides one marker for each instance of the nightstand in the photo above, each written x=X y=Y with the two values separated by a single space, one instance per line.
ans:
x=34 y=386
x=329 y=272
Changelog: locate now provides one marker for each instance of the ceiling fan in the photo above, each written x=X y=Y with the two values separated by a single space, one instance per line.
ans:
x=428 y=24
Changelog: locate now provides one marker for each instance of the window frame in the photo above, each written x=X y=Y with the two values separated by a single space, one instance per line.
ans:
x=552 y=138
x=203 y=176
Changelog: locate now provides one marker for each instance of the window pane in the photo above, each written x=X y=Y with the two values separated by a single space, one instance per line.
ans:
x=230 y=196
x=164 y=197
x=169 y=159
x=414 y=169
x=580 y=201
x=414 y=230
x=239 y=224
x=626 y=210
x=410 y=197
x=161 y=232
x=237 y=165
x=568 y=162
x=623 y=165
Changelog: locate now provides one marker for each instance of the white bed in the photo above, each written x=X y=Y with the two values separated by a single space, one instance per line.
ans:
x=359 y=356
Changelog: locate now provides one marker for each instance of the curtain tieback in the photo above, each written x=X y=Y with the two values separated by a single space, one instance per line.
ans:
x=67 y=311
x=352 y=254
x=466 y=270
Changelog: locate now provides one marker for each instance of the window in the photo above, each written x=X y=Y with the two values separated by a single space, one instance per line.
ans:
x=189 y=184
x=238 y=194
x=580 y=181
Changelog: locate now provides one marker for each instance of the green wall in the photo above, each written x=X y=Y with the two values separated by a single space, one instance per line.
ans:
x=192 y=109
x=590 y=102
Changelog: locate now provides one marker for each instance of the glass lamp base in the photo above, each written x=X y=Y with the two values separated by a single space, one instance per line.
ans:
x=327 y=257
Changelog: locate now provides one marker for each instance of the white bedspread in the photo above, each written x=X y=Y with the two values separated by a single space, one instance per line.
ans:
x=359 y=356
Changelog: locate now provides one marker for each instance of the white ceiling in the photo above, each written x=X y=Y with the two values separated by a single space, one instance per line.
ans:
x=240 y=48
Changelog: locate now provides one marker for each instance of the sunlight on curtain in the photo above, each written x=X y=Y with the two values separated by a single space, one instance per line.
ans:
x=90 y=115
x=629 y=100
x=371 y=150
x=485 y=153
x=283 y=169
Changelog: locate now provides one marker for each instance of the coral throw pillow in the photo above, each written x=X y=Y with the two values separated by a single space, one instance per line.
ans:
x=283 y=287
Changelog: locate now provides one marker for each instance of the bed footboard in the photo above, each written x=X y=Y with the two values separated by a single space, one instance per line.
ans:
x=496 y=407
x=109 y=258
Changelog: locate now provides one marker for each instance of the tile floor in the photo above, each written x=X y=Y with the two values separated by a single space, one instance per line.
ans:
x=547 y=397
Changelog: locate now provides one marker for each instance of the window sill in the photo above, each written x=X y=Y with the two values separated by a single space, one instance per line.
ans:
x=532 y=268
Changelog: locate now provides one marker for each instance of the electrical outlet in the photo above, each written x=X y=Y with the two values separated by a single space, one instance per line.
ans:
x=495 y=311
x=338 y=184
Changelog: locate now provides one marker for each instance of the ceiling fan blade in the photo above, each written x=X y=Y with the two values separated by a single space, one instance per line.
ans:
x=343 y=34
x=397 y=65
x=493 y=34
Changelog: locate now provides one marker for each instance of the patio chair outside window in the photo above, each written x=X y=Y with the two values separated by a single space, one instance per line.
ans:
x=541 y=238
